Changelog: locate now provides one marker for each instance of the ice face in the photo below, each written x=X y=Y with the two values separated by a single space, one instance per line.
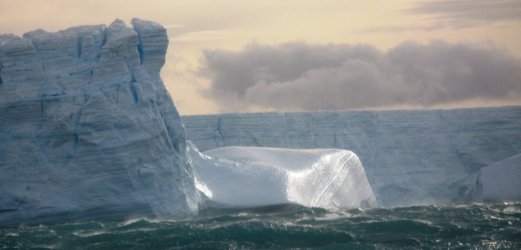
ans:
x=501 y=181
x=250 y=176
x=87 y=127
x=410 y=157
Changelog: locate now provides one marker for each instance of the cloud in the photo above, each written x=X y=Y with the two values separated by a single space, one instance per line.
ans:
x=299 y=76
x=463 y=13
x=398 y=29
x=455 y=14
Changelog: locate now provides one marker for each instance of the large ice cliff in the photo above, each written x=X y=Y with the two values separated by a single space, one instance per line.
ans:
x=410 y=157
x=87 y=128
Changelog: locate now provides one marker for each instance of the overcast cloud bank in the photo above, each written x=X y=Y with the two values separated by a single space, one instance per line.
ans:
x=300 y=76
x=464 y=13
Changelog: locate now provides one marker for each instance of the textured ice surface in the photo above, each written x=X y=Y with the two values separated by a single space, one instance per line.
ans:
x=410 y=157
x=87 y=128
x=501 y=181
x=253 y=176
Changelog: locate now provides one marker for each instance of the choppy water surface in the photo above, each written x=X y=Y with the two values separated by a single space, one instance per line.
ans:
x=467 y=226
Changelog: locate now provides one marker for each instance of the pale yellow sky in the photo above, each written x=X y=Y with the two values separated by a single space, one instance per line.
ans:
x=196 y=25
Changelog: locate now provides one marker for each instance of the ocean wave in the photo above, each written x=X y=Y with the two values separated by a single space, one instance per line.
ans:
x=479 y=225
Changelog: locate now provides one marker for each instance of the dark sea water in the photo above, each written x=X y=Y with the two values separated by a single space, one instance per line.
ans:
x=476 y=226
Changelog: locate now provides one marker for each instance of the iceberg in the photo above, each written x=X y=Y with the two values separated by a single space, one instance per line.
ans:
x=89 y=131
x=238 y=177
x=87 y=128
x=414 y=157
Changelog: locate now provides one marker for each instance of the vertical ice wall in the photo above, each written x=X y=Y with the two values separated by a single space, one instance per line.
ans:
x=87 y=126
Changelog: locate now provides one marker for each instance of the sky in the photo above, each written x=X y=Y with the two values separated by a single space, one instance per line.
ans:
x=298 y=55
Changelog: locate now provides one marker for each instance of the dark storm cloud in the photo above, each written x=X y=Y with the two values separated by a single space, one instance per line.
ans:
x=471 y=12
x=298 y=76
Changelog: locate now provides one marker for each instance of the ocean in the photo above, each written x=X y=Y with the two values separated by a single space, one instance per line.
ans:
x=470 y=226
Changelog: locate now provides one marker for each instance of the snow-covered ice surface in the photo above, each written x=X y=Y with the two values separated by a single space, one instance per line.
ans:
x=252 y=176
x=501 y=181
x=87 y=128
x=410 y=157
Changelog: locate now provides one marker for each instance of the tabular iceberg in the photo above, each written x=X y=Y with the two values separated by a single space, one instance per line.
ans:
x=410 y=157
x=87 y=128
